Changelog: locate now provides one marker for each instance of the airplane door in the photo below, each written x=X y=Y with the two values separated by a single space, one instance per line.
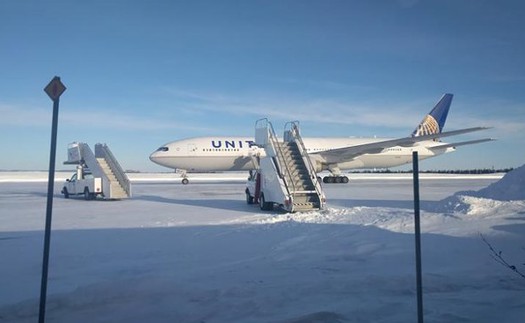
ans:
x=192 y=149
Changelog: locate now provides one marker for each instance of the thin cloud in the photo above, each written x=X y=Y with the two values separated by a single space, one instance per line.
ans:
x=199 y=112
x=88 y=117
x=329 y=111
x=324 y=84
x=22 y=115
x=372 y=114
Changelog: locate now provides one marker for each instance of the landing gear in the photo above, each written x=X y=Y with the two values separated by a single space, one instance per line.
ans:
x=335 y=177
x=335 y=180
x=182 y=172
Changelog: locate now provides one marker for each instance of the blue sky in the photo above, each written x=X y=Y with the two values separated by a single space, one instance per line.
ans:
x=143 y=73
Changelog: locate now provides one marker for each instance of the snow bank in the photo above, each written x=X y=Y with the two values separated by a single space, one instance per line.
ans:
x=509 y=188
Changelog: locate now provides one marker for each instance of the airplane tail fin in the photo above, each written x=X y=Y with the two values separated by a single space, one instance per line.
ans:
x=434 y=122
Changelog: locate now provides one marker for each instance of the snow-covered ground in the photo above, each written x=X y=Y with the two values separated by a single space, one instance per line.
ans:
x=198 y=253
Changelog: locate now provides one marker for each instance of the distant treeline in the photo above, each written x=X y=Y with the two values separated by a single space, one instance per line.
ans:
x=389 y=171
x=457 y=171
x=366 y=171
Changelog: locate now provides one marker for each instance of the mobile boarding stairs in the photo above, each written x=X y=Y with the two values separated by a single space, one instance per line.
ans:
x=102 y=164
x=287 y=176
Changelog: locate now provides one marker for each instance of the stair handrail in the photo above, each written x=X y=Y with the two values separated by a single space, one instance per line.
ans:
x=278 y=150
x=89 y=160
x=102 y=151
x=281 y=161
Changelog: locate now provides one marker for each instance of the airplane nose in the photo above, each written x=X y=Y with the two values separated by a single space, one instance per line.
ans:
x=159 y=156
x=154 y=157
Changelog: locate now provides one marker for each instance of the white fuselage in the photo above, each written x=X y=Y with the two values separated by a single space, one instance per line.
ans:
x=207 y=154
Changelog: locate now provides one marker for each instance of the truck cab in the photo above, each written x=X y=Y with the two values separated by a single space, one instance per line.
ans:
x=83 y=183
x=260 y=189
x=253 y=191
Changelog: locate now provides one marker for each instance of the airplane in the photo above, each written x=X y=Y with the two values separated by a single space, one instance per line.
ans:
x=210 y=154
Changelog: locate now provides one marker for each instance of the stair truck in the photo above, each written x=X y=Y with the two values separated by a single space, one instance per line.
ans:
x=284 y=175
x=97 y=175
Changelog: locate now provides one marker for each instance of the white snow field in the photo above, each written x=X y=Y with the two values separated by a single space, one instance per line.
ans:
x=199 y=253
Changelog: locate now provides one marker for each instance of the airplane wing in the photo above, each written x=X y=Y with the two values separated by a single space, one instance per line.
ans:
x=348 y=153
x=462 y=143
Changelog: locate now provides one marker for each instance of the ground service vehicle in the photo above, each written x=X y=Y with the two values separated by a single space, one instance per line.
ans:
x=83 y=183
x=97 y=174
x=284 y=176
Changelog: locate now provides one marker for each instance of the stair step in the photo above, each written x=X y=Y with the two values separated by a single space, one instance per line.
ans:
x=117 y=191
x=296 y=172
x=304 y=192
x=305 y=207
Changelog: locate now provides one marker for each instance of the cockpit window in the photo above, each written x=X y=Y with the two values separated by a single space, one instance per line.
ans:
x=163 y=149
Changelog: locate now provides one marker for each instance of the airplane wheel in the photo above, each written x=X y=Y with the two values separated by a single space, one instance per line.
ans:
x=335 y=179
x=328 y=180
x=185 y=181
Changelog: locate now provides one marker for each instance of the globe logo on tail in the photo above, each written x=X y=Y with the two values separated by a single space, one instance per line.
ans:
x=428 y=126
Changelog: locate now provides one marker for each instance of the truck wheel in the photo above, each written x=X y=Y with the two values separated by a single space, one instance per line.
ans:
x=249 y=198
x=265 y=206
x=65 y=192
x=87 y=195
